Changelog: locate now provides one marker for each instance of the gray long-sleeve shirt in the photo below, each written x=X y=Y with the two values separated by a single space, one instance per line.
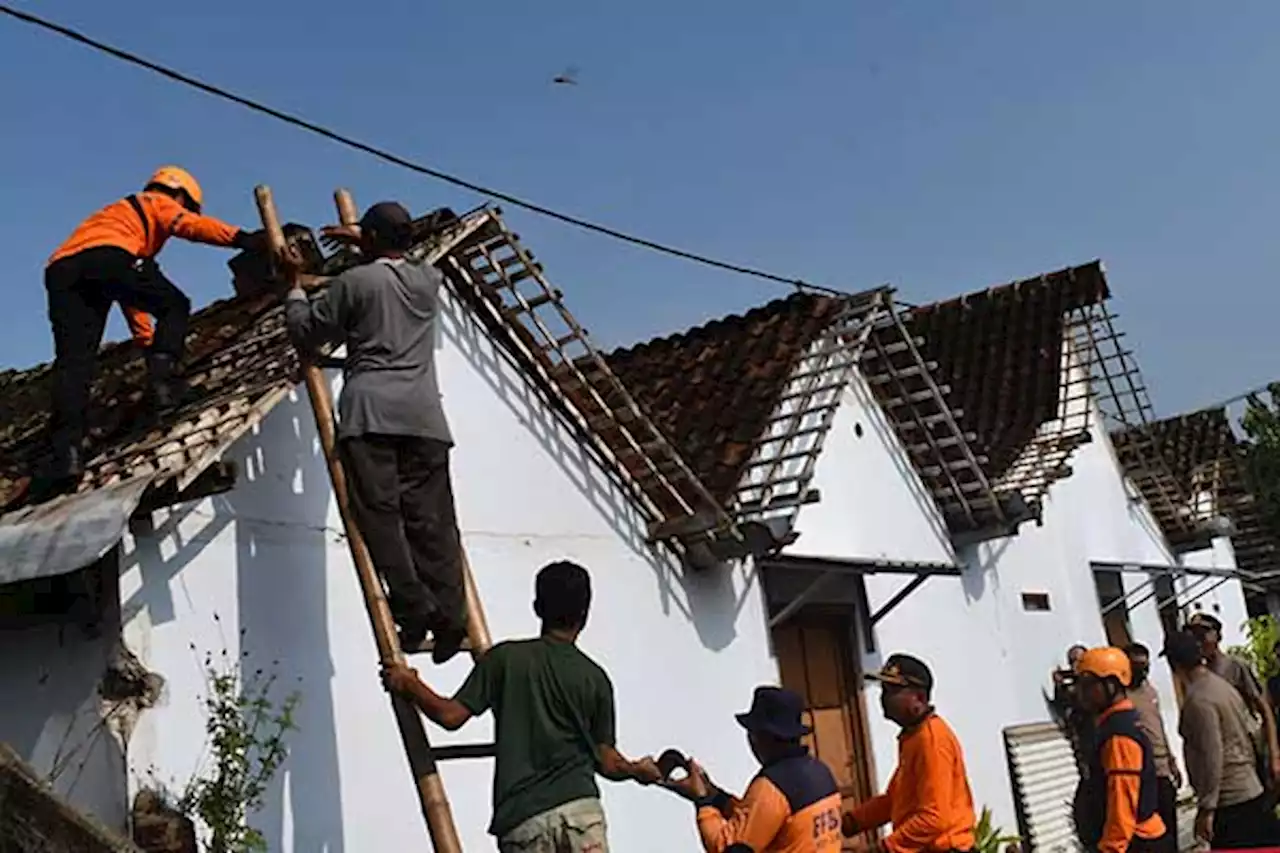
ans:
x=386 y=312
x=1218 y=750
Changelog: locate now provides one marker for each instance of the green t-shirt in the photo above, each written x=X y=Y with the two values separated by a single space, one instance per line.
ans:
x=552 y=706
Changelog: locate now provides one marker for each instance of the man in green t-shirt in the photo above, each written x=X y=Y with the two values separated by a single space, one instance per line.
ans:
x=554 y=724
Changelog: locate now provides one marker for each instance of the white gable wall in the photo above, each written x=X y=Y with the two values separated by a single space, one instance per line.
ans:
x=268 y=559
x=991 y=658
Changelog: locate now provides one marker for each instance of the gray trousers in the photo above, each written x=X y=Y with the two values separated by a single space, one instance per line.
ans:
x=575 y=827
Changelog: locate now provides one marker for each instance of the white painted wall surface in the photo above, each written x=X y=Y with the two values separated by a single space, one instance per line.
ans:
x=52 y=716
x=991 y=658
x=684 y=653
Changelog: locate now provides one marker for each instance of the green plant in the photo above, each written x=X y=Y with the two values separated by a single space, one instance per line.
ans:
x=1261 y=633
x=246 y=744
x=988 y=838
x=1261 y=450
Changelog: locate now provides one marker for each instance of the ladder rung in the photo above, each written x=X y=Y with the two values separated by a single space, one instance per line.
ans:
x=942 y=443
x=814 y=392
x=915 y=397
x=533 y=304
x=903 y=373
x=464 y=750
x=563 y=342
x=939 y=417
x=958 y=465
x=429 y=645
x=890 y=349
x=505 y=282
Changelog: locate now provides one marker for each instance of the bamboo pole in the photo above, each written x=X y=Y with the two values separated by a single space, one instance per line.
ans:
x=435 y=805
x=478 y=637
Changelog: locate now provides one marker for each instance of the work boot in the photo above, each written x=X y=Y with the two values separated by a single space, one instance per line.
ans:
x=447 y=644
x=164 y=390
x=59 y=476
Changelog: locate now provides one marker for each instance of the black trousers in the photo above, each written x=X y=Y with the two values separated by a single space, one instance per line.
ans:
x=403 y=501
x=1167 y=806
x=81 y=289
x=1251 y=824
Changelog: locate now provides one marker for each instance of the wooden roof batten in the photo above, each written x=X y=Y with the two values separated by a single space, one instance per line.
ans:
x=498 y=277
x=776 y=478
x=929 y=427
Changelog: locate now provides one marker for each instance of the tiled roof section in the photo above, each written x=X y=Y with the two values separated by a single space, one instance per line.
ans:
x=237 y=354
x=712 y=389
x=1204 y=456
x=1000 y=353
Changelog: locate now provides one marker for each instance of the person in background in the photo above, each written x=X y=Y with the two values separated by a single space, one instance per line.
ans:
x=1077 y=725
x=1146 y=700
x=1273 y=685
x=1116 y=804
x=791 y=806
x=1232 y=809
x=393 y=435
x=111 y=258
x=554 y=725
x=1208 y=631
x=928 y=800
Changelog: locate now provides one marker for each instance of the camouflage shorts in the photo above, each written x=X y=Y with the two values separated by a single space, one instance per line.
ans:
x=575 y=827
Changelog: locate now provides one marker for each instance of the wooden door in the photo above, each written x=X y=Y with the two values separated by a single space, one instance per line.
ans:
x=815 y=659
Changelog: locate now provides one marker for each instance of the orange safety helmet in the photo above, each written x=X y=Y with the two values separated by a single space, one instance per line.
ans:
x=1106 y=662
x=178 y=179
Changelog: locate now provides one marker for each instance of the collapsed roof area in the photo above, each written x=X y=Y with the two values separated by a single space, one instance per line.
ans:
x=709 y=431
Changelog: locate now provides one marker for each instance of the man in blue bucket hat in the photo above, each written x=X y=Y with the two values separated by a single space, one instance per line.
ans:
x=791 y=806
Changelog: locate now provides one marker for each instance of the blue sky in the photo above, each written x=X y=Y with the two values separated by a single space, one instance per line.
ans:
x=939 y=146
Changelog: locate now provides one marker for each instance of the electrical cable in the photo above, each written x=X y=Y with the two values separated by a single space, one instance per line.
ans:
x=397 y=160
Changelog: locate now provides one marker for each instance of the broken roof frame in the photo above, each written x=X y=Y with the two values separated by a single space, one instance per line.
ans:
x=774 y=483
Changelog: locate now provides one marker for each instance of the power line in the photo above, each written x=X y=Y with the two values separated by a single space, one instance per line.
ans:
x=397 y=160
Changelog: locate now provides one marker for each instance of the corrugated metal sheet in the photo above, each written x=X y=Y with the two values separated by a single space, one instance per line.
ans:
x=1043 y=769
x=68 y=533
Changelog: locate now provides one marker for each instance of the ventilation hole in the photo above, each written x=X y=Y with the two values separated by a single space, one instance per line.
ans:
x=857 y=430
x=1035 y=601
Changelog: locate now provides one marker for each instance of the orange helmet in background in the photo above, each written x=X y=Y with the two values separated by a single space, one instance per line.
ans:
x=1106 y=662
x=178 y=179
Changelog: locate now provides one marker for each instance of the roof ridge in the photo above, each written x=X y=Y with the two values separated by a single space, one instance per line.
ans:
x=716 y=323
x=1094 y=266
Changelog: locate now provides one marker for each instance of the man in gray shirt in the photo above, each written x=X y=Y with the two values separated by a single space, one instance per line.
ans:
x=392 y=433
x=1232 y=809
x=1146 y=700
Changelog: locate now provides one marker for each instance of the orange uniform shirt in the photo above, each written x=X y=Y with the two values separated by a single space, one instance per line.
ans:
x=928 y=800
x=793 y=806
x=119 y=225
x=1122 y=761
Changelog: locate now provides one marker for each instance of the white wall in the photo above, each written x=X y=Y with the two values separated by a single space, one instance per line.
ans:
x=1224 y=600
x=268 y=560
x=991 y=658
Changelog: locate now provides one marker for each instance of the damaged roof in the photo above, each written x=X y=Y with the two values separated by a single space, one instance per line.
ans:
x=1205 y=458
x=712 y=389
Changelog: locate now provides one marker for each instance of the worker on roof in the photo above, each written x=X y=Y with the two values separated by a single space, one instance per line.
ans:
x=791 y=806
x=393 y=436
x=1117 y=803
x=928 y=800
x=110 y=257
x=554 y=724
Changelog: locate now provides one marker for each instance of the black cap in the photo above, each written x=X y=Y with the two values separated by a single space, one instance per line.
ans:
x=1182 y=649
x=904 y=671
x=775 y=711
x=388 y=219
x=1203 y=621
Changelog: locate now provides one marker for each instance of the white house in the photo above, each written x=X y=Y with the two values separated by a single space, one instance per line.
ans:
x=791 y=494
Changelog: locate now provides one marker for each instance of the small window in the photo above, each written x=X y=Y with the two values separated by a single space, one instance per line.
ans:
x=1035 y=601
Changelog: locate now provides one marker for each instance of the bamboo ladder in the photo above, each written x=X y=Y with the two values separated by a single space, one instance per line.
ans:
x=422 y=757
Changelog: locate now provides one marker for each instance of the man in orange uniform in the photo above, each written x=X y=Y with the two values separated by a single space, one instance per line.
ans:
x=792 y=805
x=110 y=258
x=1117 y=805
x=928 y=800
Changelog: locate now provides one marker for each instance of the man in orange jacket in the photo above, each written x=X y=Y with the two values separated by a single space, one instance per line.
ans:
x=791 y=806
x=1117 y=807
x=110 y=258
x=928 y=800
